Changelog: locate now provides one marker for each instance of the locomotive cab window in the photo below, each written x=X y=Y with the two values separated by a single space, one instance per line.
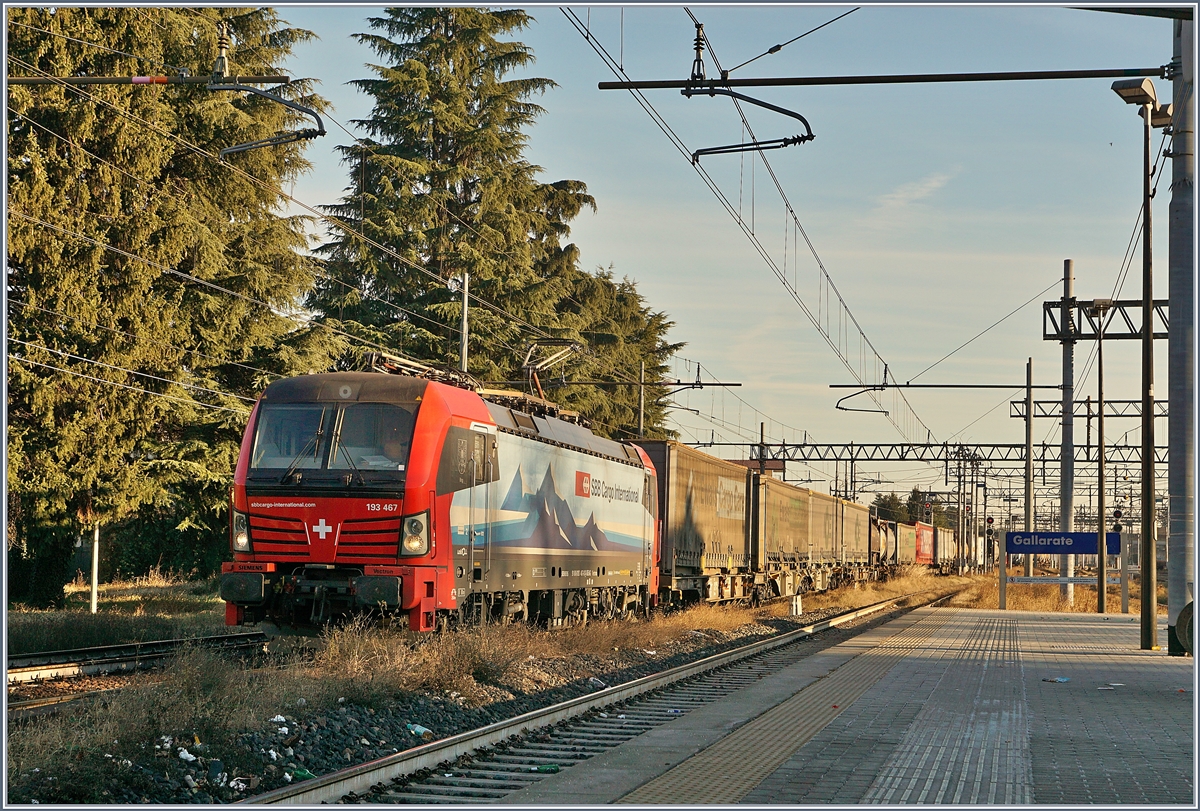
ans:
x=372 y=436
x=291 y=436
x=312 y=440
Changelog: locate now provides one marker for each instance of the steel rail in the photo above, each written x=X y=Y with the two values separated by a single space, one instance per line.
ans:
x=109 y=658
x=360 y=778
x=38 y=706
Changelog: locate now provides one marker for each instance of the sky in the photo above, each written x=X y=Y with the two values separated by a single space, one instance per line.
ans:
x=935 y=209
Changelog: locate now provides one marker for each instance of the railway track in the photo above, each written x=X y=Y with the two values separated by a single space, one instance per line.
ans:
x=484 y=765
x=28 y=708
x=110 y=659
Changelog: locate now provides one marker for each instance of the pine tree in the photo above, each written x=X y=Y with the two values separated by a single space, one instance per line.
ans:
x=441 y=181
x=118 y=230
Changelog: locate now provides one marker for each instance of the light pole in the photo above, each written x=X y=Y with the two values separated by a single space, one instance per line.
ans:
x=1141 y=92
x=1099 y=308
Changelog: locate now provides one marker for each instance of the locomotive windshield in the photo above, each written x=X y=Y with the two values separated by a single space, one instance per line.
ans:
x=321 y=443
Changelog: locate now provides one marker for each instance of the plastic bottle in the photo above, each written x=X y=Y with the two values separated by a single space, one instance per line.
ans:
x=548 y=769
x=420 y=731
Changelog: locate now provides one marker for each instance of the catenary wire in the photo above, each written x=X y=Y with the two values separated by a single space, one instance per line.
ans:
x=521 y=323
x=249 y=236
x=96 y=325
x=1036 y=296
x=131 y=371
x=179 y=70
x=829 y=280
x=661 y=123
x=777 y=48
x=281 y=193
x=20 y=359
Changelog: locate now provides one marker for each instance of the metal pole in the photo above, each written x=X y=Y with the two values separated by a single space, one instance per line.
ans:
x=95 y=566
x=1029 y=459
x=1181 y=347
x=462 y=332
x=1066 y=518
x=974 y=517
x=961 y=526
x=1101 y=557
x=1124 y=574
x=1149 y=557
x=642 y=403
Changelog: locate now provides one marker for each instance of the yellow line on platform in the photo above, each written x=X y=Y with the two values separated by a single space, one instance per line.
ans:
x=729 y=769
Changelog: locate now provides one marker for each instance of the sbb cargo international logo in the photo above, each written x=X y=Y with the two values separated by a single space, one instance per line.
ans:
x=583 y=484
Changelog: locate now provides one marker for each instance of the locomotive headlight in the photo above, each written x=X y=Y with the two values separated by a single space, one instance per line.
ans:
x=415 y=535
x=241 y=532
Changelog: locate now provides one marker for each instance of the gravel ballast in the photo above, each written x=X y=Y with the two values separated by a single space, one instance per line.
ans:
x=300 y=740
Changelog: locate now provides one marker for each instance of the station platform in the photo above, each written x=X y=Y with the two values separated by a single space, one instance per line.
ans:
x=940 y=706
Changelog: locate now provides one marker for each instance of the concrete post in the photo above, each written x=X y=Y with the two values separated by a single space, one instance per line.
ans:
x=96 y=567
x=1066 y=519
x=1181 y=347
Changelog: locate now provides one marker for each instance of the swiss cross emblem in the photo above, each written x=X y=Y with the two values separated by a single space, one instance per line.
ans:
x=322 y=529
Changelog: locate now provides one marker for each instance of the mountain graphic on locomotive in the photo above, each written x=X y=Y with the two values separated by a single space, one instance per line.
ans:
x=417 y=493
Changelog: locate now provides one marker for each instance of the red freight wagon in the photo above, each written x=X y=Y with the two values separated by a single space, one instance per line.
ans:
x=924 y=544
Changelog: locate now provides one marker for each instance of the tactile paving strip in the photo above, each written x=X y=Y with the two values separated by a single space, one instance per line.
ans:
x=726 y=771
x=970 y=743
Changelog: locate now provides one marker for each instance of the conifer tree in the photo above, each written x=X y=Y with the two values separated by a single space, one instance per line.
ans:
x=442 y=182
x=119 y=235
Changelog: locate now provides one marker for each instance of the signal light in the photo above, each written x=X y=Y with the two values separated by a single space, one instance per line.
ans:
x=1116 y=514
x=991 y=520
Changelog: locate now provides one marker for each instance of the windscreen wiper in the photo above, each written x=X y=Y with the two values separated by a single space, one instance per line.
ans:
x=337 y=439
x=314 y=443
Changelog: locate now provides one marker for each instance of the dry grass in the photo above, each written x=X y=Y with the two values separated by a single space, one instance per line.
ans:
x=202 y=697
x=158 y=606
x=1026 y=597
x=909 y=580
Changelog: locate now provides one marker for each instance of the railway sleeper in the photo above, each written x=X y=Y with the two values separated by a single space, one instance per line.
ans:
x=473 y=782
x=628 y=724
x=426 y=789
x=500 y=767
x=564 y=753
x=536 y=760
x=566 y=741
x=405 y=798
x=597 y=737
x=512 y=778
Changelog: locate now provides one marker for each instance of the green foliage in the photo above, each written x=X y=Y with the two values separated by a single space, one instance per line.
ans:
x=441 y=182
x=912 y=509
x=119 y=214
x=890 y=507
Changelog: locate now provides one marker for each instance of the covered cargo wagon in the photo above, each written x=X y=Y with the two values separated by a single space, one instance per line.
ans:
x=705 y=517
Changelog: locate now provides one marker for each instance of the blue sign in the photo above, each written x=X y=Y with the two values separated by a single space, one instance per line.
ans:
x=1059 y=543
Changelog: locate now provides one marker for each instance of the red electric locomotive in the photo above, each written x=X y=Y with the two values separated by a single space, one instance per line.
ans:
x=398 y=493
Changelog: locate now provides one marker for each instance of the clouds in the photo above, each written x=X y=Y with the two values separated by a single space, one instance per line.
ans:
x=902 y=197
